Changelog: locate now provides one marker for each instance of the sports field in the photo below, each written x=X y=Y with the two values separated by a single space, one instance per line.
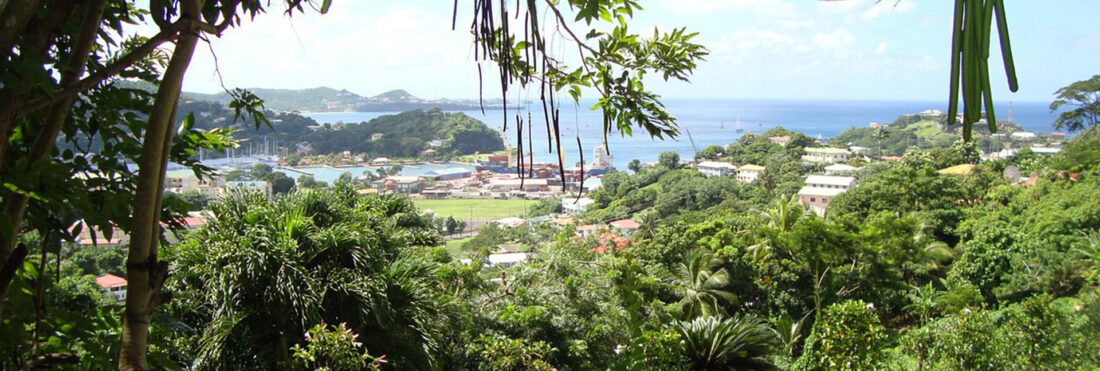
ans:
x=476 y=208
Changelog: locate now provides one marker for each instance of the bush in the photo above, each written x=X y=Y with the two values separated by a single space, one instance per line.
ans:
x=847 y=337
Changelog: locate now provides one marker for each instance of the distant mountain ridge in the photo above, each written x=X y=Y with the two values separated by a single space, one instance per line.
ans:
x=325 y=99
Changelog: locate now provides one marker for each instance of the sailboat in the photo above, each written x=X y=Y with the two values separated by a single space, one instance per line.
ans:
x=738 y=129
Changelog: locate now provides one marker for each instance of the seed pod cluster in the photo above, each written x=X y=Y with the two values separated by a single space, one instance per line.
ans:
x=971 y=34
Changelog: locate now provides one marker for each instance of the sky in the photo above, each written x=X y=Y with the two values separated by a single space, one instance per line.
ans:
x=760 y=49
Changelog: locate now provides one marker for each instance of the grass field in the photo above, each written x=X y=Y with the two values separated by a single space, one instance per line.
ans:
x=455 y=246
x=479 y=208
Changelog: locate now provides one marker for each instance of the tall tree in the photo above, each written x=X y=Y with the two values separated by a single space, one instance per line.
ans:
x=1085 y=97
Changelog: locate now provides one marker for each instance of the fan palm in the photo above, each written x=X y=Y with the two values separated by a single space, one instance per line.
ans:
x=701 y=285
x=739 y=343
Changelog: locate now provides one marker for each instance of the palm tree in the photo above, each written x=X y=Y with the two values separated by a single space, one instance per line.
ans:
x=783 y=214
x=779 y=218
x=739 y=343
x=790 y=332
x=1089 y=252
x=923 y=301
x=263 y=272
x=701 y=284
x=879 y=136
x=648 y=222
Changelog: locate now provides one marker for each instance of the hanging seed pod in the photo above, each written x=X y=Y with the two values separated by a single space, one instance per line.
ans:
x=970 y=43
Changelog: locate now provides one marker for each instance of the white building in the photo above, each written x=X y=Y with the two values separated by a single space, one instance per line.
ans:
x=749 y=173
x=180 y=181
x=510 y=222
x=574 y=206
x=257 y=186
x=820 y=189
x=715 y=168
x=1024 y=135
x=625 y=227
x=840 y=169
x=450 y=173
x=399 y=184
x=826 y=155
x=601 y=159
x=1045 y=150
x=113 y=286
x=589 y=230
x=830 y=182
x=507 y=259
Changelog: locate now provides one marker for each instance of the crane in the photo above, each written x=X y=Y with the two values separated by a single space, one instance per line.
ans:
x=693 y=148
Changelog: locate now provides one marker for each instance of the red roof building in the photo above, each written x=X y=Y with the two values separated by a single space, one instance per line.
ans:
x=625 y=224
x=588 y=230
x=110 y=281
x=607 y=240
x=780 y=140
x=193 y=222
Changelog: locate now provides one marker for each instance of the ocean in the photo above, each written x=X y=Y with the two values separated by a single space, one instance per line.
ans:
x=714 y=122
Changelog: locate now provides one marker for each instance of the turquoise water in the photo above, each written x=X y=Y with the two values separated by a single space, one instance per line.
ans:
x=714 y=122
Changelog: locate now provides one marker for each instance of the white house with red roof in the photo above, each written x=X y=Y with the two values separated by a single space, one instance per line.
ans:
x=588 y=230
x=625 y=226
x=114 y=286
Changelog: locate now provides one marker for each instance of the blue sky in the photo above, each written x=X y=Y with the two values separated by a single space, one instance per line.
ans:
x=796 y=49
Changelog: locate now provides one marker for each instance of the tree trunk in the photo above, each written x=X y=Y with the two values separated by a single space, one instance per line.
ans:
x=15 y=204
x=146 y=275
x=40 y=294
x=15 y=21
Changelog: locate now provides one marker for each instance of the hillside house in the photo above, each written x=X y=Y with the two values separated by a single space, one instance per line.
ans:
x=609 y=241
x=575 y=206
x=625 y=227
x=179 y=181
x=781 y=140
x=715 y=168
x=113 y=286
x=826 y=155
x=819 y=189
x=588 y=230
x=749 y=173
x=841 y=169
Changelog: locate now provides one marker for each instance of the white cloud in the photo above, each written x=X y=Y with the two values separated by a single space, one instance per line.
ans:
x=881 y=49
x=866 y=10
x=755 y=7
x=837 y=42
x=888 y=7
x=364 y=48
